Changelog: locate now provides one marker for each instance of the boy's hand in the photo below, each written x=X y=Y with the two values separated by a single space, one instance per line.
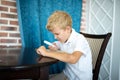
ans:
x=53 y=48
x=42 y=50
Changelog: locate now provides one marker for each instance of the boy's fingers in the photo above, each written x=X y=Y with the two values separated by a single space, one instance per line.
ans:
x=38 y=51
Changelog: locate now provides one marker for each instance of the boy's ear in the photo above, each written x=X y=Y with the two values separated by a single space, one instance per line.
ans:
x=68 y=28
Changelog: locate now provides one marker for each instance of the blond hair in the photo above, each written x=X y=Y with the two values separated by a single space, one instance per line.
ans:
x=59 y=19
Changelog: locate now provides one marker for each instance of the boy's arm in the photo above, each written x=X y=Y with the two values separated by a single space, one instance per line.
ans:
x=62 y=56
x=65 y=57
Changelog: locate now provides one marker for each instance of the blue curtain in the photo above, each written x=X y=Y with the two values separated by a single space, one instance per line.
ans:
x=33 y=15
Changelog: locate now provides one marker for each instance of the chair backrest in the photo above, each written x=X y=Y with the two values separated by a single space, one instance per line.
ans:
x=98 y=44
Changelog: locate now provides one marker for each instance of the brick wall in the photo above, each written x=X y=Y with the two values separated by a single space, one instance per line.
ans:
x=83 y=18
x=9 y=28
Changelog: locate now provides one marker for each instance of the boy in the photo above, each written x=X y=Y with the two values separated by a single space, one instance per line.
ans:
x=74 y=48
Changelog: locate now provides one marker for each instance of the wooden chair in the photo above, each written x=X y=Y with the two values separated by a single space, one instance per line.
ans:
x=98 y=44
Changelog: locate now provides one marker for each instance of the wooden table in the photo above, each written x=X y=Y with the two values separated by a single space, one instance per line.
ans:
x=24 y=63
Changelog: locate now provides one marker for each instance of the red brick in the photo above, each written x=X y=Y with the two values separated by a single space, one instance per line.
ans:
x=8 y=41
x=3 y=21
x=2 y=51
x=11 y=46
x=3 y=8
x=14 y=34
x=83 y=10
x=83 y=24
x=3 y=34
x=17 y=46
x=5 y=15
x=83 y=19
x=14 y=22
x=84 y=1
x=82 y=28
x=15 y=51
x=19 y=40
x=13 y=10
x=8 y=3
x=8 y=28
x=3 y=46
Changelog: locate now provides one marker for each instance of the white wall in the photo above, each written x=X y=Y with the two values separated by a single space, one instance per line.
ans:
x=104 y=16
x=116 y=43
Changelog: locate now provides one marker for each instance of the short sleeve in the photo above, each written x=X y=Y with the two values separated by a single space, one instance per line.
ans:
x=82 y=45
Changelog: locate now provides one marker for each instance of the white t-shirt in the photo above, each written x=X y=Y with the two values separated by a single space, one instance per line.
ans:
x=82 y=70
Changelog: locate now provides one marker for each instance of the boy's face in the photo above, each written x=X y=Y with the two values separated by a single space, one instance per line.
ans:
x=61 y=35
